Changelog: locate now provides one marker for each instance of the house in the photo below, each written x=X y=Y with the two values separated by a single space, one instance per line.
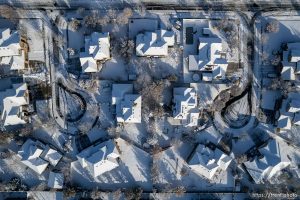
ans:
x=35 y=155
x=128 y=105
x=293 y=106
x=210 y=58
x=55 y=180
x=12 y=54
x=99 y=158
x=269 y=163
x=207 y=162
x=51 y=155
x=287 y=72
x=185 y=106
x=12 y=102
x=296 y=119
x=97 y=48
x=284 y=122
x=154 y=43
x=291 y=62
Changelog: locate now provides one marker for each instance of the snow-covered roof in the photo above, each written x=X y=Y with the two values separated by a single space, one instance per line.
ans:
x=207 y=76
x=185 y=102
x=128 y=105
x=293 y=106
x=129 y=110
x=206 y=162
x=296 y=119
x=30 y=153
x=11 y=102
x=9 y=43
x=287 y=72
x=211 y=57
x=11 y=53
x=51 y=155
x=154 y=43
x=269 y=164
x=119 y=91
x=284 y=122
x=100 y=158
x=56 y=180
x=97 y=48
x=295 y=55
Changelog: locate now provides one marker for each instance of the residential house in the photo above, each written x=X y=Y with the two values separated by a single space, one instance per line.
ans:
x=100 y=158
x=128 y=105
x=12 y=50
x=56 y=180
x=12 y=102
x=268 y=164
x=207 y=162
x=210 y=60
x=33 y=155
x=154 y=44
x=97 y=49
x=185 y=106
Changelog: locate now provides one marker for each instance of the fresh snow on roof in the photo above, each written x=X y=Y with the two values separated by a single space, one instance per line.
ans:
x=185 y=106
x=100 y=158
x=128 y=105
x=154 y=43
x=56 y=180
x=11 y=53
x=11 y=102
x=30 y=153
x=97 y=48
x=206 y=162
x=270 y=162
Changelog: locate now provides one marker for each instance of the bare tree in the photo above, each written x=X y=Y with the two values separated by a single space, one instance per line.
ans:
x=124 y=16
x=272 y=26
x=264 y=38
x=80 y=11
x=152 y=98
x=75 y=24
x=8 y=12
x=134 y=193
x=154 y=170
x=112 y=14
x=117 y=194
x=69 y=192
x=95 y=194
x=71 y=51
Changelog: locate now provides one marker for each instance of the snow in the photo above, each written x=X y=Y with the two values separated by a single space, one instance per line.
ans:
x=35 y=38
x=140 y=25
x=133 y=170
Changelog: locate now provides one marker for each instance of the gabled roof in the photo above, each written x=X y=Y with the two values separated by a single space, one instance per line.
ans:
x=284 y=122
x=51 y=155
x=296 y=119
x=287 y=72
x=56 y=180
x=294 y=106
